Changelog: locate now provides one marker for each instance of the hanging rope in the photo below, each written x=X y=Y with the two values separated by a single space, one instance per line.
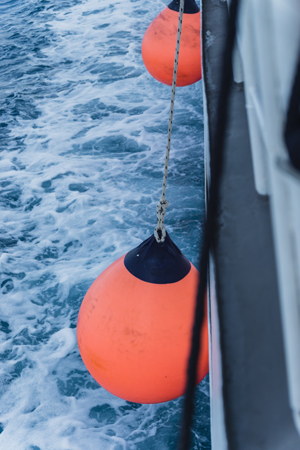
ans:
x=217 y=146
x=160 y=232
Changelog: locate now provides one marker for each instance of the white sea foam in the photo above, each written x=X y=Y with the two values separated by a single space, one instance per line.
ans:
x=83 y=146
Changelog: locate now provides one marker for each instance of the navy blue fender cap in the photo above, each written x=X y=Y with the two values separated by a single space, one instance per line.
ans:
x=158 y=263
x=190 y=6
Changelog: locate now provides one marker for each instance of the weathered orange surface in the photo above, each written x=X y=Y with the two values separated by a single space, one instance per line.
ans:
x=159 y=44
x=134 y=337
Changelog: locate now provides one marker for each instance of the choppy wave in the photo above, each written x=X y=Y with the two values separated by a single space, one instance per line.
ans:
x=82 y=141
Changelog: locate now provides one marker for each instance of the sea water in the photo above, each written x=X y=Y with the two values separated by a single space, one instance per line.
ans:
x=83 y=131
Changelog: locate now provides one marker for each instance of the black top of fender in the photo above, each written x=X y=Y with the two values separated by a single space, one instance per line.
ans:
x=158 y=263
x=190 y=6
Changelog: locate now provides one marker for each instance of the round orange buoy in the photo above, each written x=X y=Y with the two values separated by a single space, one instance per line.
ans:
x=135 y=324
x=159 y=44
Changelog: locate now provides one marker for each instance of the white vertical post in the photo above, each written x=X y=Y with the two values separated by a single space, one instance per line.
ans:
x=248 y=46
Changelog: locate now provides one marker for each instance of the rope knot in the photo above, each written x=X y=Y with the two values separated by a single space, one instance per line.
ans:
x=160 y=232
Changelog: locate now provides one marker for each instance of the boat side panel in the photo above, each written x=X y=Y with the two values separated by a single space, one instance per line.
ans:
x=255 y=396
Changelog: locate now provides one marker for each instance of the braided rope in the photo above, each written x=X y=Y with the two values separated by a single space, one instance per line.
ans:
x=160 y=232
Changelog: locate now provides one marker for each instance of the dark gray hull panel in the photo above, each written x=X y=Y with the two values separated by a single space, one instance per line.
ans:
x=256 y=408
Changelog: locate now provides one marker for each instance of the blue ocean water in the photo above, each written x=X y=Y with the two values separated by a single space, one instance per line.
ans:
x=83 y=131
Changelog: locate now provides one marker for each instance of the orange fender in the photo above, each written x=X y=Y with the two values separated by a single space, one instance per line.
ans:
x=159 y=44
x=134 y=336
